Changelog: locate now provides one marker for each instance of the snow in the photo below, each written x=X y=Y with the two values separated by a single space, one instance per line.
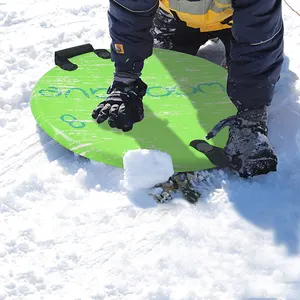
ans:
x=70 y=230
x=145 y=168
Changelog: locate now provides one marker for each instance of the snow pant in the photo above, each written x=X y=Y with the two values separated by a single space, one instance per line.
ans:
x=171 y=33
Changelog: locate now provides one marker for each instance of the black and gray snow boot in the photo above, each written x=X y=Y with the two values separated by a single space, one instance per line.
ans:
x=248 y=148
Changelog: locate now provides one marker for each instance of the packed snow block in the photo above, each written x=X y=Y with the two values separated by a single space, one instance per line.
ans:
x=146 y=168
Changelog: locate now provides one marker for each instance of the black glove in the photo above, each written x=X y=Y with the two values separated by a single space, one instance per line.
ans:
x=123 y=107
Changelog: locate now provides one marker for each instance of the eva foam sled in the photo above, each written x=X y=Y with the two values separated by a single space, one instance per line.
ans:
x=186 y=97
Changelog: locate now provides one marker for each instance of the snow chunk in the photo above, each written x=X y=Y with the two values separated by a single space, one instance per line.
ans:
x=2 y=293
x=146 y=168
x=3 y=252
x=7 y=107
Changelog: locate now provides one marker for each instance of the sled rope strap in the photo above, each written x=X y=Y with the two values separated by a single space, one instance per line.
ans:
x=61 y=57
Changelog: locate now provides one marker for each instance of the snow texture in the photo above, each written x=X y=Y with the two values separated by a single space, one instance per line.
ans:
x=69 y=230
x=145 y=168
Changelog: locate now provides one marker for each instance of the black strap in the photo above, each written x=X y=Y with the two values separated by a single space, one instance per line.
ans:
x=215 y=154
x=228 y=21
x=103 y=53
x=61 y=57
x=175 y=15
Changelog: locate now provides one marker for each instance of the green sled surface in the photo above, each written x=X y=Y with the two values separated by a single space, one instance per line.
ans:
x=186 y=98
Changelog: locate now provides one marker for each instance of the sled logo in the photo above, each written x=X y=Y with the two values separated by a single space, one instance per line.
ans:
x=152 y=91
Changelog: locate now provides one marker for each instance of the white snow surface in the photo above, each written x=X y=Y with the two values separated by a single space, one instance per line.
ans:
x=70 y=230
x=145 y=168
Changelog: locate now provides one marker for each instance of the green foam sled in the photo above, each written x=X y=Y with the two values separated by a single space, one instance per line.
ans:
x=185 y=99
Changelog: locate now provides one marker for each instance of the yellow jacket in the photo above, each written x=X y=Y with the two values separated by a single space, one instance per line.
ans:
x=207 y=15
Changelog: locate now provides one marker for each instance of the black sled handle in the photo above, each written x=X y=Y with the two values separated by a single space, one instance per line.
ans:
x=61 y=57
x=215 y=154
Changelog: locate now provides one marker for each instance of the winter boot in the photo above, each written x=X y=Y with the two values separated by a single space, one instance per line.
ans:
x=248 y=148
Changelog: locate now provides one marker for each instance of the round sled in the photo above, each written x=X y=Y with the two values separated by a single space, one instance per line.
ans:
x=185 y=99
